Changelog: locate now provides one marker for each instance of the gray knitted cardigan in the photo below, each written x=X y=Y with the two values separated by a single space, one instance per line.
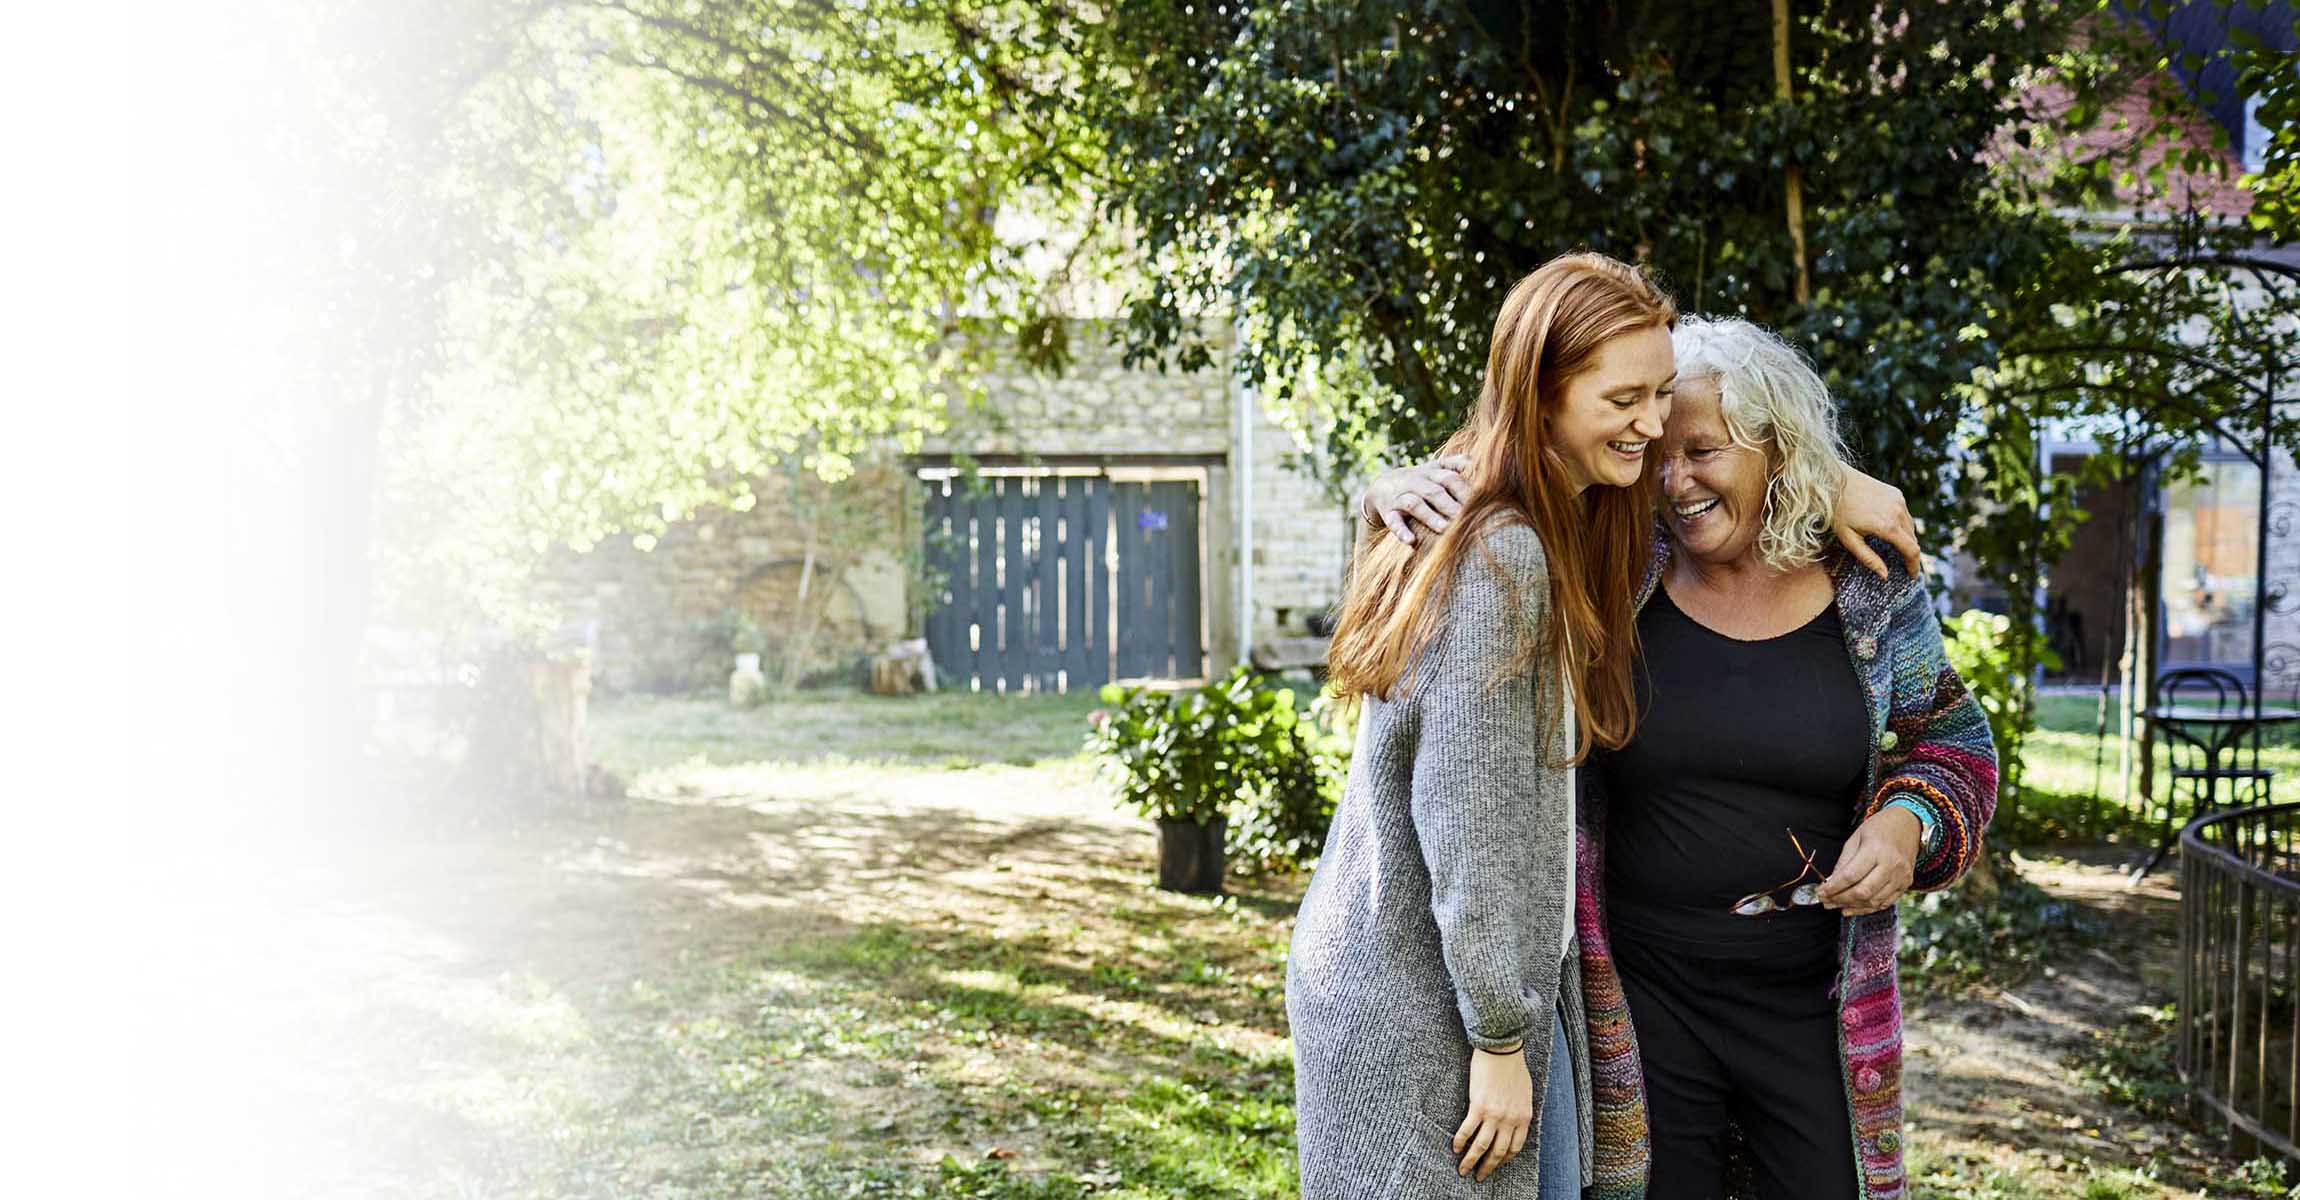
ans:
x=1439 y=906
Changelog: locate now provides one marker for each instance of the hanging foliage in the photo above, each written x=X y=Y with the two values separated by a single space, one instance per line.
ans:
x=694 y=242
x=1361 y=183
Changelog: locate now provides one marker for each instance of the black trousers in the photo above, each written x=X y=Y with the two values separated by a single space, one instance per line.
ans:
x=1748 y=1041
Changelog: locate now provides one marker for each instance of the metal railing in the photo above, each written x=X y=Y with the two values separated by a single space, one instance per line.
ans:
x=2239 y=1037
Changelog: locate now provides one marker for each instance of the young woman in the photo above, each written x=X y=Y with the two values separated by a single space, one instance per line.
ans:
x=1432 y=990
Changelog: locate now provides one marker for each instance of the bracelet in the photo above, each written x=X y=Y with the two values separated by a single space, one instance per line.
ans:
x=1929 y=839
x=1519 y=1048
x=1371 y=521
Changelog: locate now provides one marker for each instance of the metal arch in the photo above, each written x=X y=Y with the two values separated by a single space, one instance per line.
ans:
x=2281 y=662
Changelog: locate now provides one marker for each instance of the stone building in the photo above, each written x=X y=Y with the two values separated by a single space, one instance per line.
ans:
x=831 y=574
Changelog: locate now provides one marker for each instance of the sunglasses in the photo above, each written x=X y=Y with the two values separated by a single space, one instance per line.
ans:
x=1801 y=891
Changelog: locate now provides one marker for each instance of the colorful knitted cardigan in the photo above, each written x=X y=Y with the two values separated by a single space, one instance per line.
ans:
x=1928 y=741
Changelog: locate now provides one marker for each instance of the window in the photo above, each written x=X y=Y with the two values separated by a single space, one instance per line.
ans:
x=2211 y=552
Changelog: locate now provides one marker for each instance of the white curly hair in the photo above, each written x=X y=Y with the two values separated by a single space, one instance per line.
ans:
x=1773 y=402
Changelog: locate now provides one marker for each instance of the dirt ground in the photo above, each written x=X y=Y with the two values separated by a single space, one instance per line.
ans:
x=434 y=1010
x=1996 y=1079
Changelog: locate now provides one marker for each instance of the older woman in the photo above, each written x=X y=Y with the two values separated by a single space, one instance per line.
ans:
x=1804 y=754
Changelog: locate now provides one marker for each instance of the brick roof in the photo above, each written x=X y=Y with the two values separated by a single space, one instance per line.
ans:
x=2119 y=129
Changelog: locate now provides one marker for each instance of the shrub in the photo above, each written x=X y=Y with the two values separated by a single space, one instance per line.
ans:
x=1984 y=649
x=711 y=648
x=732 y=632
x=1284 y=824
x=1953 y=938
x=1238 y=747
x=1188 y=755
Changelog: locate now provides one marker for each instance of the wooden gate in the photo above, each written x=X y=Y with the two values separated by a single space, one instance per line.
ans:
x=1051 y=582
x=1156 y=530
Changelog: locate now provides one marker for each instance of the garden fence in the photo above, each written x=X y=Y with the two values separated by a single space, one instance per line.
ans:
x=2239 y=1035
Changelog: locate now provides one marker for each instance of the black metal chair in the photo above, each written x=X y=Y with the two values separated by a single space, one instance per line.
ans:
x=2203 y=753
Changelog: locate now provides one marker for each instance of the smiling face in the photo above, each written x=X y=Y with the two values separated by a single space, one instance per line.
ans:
x=1608 y=416
x=1714 y=489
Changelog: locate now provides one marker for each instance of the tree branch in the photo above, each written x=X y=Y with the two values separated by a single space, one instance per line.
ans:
x=2194 y=360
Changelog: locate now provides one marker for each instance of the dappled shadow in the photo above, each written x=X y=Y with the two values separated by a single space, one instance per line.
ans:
x=2000 y=1073
x=599 y=891
x=748 y=980
x=991 y=929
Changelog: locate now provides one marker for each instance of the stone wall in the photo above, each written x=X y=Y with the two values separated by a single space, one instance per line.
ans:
x=1096 y=406
x=1302 y=537
x=645 y=612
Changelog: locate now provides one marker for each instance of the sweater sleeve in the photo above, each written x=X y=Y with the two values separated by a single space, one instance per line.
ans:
x=1938 y=753
x=1478 y=802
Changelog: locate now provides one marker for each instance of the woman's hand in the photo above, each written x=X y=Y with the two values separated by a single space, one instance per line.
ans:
x=1430 y=494
x=1868 y=506
x=1500 y=1111
x=1877 y=863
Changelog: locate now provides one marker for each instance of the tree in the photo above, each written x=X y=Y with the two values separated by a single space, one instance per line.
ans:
x=1361 y=183
x=2180 y=337
x=358 y=238
x=723 y=235
x=2169 y=336
x=2272 y=78
x=548 y=272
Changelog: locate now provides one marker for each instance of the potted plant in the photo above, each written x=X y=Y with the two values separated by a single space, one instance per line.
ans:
x=1183 y=758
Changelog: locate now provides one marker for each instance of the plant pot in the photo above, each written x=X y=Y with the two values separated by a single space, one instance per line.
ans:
x=1190 y=856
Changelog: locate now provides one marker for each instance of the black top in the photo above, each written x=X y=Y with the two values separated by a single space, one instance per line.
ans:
x=1736 y=743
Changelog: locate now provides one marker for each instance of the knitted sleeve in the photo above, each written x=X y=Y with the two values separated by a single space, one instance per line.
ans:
x=1937 y=752
x=1479 y=795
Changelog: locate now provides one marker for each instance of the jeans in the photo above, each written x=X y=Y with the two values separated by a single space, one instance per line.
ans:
x=1560 y=1125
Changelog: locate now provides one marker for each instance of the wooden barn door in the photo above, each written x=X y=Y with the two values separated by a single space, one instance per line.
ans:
x=1022 y=579
x=1022 y=597
x=1156 y=531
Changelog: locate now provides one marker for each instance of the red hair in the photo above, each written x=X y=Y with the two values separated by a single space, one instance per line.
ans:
x=1552 y=326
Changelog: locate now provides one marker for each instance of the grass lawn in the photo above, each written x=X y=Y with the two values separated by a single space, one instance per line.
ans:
x=637 y=733
x=834 y=946
x=2069 y=797
x=847 y=946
